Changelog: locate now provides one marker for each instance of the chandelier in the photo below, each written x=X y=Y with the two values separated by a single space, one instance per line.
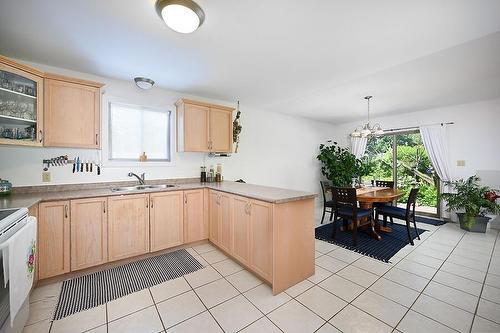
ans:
x=367 y=130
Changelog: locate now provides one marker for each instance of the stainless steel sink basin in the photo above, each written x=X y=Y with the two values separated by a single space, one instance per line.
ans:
x=140 y=187
x=162 y=186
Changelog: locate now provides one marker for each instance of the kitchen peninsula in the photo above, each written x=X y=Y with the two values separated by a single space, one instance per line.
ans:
x=268 y=230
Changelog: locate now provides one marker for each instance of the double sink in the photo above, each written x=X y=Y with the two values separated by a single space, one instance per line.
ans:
x=141 y=187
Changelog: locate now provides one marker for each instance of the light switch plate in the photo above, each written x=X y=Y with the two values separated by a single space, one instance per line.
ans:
x=461 y=163
x=45 y=176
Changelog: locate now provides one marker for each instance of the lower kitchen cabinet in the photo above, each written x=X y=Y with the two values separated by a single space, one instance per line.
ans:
x=89 y=232
x=241 y=229
x=128 y=226
x=195 y=226
x=261 y=238
x=53 y=239
x=166 y=220
x=225 y=222
x=213 y=211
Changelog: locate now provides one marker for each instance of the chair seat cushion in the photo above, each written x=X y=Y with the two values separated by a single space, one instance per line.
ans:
x=392 y=211
x=347 y=212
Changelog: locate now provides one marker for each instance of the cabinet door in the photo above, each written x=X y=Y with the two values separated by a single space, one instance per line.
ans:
x=196 y=120
x=221 y=130
x=261 y=235
x=27 y=111
x=214 y=212
x=72 y=115
x=241 y=222
x=89 y=233
x=225 y=218
x=195 y=228
x=166 y=220
x=128 y=226
x=53 y=239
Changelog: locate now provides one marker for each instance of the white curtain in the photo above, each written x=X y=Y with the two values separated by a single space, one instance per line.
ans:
x=358 y=146
x=434 y=138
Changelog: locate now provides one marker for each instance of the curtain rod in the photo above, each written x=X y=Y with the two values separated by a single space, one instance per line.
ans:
x=415 y=127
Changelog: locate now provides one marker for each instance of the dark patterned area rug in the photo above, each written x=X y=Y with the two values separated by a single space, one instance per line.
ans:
x=382 y=250
x=91 y=290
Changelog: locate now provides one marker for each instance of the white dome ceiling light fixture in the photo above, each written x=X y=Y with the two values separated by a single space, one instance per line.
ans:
x=183 y=16
x=367 y=130
x=144 y=83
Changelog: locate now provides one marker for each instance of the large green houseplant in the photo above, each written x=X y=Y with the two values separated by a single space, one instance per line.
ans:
x=470 y=203
x=339 y=165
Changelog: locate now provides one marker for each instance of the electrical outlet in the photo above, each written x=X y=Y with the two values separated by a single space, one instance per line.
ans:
x=461 y=163
x=45 y=176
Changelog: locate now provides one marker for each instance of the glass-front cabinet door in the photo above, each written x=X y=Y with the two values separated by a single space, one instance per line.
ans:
x=21 y=106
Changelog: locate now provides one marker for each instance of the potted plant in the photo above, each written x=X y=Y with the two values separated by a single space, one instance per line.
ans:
x=339 y=165
x=470 y=202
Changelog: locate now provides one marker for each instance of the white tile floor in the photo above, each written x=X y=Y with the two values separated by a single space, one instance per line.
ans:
x=448 y=282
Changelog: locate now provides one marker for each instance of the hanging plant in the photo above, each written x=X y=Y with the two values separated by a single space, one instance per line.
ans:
x=237 y=128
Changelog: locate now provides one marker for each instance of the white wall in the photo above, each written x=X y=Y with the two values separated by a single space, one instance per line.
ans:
x=275 y=149
x=475 y=136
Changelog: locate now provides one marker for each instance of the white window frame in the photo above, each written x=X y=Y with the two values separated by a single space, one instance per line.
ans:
x=106 y=126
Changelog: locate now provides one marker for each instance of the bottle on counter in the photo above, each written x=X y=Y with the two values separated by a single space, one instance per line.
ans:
x=211 y=174
x=218 y=174
x=203 y=174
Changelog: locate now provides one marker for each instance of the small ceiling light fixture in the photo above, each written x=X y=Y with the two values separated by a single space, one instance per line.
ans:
x=367 y=130
x=184 y=16
x=144 y=83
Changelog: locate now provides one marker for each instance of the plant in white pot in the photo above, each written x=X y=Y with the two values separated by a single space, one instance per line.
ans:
x=470 y=202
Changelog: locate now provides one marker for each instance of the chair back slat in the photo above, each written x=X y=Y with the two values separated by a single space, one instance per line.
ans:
x=384 y=183
x=411 y=202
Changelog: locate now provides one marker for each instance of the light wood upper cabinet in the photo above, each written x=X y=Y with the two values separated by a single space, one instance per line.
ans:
x=241 y=229
x=166 y=220
x=261 y=237
x=204 y=127
x=21 y=117
x=195 y=226
x=128 y=226
x=89 y=232
x=72 y=112
x=53 y=239
x=221 y=130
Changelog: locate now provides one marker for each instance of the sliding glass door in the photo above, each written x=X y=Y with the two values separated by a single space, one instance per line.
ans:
x=402 y=158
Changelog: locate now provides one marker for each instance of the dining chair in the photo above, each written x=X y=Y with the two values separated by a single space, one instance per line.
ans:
x=326 y=186
x=384 y=183
x=407 y=214
x=346 y=208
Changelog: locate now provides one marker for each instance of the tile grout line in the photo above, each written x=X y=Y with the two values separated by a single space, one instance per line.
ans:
x=157 y=311
x=484 y=282
x=429 y=281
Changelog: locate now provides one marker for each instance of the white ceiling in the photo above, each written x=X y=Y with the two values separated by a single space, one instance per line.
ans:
x=313 y=58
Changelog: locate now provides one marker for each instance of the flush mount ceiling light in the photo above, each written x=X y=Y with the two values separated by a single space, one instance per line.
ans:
x=144 y=83
x=184 y=16
x=367 y=130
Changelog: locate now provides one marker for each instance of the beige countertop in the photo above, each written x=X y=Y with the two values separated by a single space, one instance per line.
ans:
x=258 y=192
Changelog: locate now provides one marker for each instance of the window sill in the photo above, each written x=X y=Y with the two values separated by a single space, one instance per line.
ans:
x=119 y=164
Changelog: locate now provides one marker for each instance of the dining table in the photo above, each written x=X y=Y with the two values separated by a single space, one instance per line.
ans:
x=369 y=195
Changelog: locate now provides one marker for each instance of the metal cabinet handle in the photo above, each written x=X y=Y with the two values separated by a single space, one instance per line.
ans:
x=97 y=139
x=249 y=208
x=185 y=199
x=147 y=203
x=66 y=211
x=41 y=135
x=151 y=205
x=104 y=207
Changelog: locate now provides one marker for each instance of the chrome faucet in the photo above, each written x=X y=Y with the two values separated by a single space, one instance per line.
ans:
x=141 y=179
